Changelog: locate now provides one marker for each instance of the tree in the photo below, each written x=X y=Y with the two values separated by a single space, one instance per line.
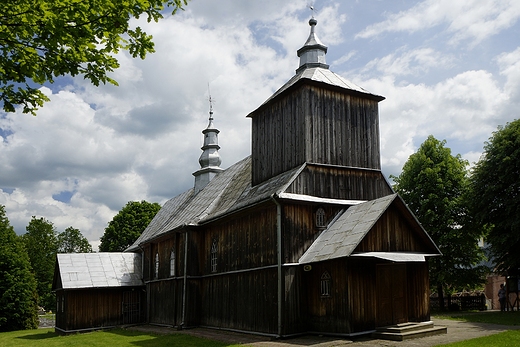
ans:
x=495 y=189
x=42 y=246
x=44 y=39
x=18 y=306
x=72 y=241
x=127 y=225
x=434 y=184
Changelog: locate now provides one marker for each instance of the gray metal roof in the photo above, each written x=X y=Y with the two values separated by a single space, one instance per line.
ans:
x=99 y=270
x=229 y=191
x=347 y=230
x=322 y=75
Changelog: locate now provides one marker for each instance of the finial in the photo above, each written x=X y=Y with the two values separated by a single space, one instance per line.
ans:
x=210 y=104
x=313 y=52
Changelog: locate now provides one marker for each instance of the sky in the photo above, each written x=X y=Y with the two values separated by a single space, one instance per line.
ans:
x=450 y=69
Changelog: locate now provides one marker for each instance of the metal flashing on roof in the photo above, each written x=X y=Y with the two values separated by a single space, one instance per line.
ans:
x=310 y=198
x=395 y=256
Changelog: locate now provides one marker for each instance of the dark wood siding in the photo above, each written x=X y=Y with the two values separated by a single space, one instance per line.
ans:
x=317 y=125
x=94 y=308
x=393 y=233
x=340 y=183
x=329 y=314
x=242 y=301
x=300 y=230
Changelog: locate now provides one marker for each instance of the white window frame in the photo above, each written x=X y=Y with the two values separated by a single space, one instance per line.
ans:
x=320 y=218
x=172 y=263
x=213 y=255
x=325 y=284
x=156 y=268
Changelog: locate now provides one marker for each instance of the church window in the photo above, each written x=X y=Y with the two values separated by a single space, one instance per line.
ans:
x=156 y=270
x=172 y=263
x=320 y=218
x=325 y=284
x=213 y=256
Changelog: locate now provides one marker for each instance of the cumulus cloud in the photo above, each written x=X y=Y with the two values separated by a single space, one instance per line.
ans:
x=91 y=150
x=473 y=20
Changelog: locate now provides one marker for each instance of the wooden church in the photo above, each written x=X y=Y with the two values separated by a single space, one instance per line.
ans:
x=303 y=236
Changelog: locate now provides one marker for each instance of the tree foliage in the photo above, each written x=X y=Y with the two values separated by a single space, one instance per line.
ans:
x=127 y=225
x=42 y=245
x=495 y=187
x=18 y=307
x=434 y=184
x=72 y=241
x=43 y=39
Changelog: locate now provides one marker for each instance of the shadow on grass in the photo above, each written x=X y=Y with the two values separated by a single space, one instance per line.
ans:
x=39 y=336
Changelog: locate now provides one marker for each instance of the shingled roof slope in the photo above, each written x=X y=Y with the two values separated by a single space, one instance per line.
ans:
x=345 y=232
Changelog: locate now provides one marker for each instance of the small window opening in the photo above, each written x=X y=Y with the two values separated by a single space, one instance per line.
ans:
x=156 y=272
x=172 y=263
x=320 y=218
x=325 y=284
x=213 y=256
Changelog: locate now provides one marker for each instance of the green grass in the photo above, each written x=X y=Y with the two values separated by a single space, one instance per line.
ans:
x=510 y=338
x=504 y=318
x=113 y=338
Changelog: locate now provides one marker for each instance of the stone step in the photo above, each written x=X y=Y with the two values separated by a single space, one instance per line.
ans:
x=407 y=331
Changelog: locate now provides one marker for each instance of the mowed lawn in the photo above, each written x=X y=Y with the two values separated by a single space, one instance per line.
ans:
x=509 y=338
x=113 y=338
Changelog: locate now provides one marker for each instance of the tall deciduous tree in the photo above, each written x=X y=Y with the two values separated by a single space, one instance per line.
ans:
x=72 y=241
x=434 y=184
x=127 y=225
x=18 y=297
x=44 y=39
x=495 y=187
x=42 y=246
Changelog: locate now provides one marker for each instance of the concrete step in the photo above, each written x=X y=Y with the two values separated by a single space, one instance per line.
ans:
x=407 y=331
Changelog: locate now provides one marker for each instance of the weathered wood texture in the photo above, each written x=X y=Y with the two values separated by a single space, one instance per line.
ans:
x=419 y=289
x=317 y=125
x=244 y=241
x=96 y=308
x=393 y=233
x=328 y=313
x=340 y=183
x=243 y=301
x=300 y=229
x=165 y=301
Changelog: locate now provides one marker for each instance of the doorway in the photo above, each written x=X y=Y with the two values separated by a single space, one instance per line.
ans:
x=391 y=292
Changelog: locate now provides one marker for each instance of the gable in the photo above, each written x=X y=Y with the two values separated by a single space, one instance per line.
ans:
x=382 y=222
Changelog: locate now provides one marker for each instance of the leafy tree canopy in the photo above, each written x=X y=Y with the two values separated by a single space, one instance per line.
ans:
x=42 y=245
x=72 y=241
x=495 y=187
x=127 y=225
x=18 y=297
x=44 y=39
x=434 y=184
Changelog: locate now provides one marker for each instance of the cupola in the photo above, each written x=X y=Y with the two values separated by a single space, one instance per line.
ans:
x=313 y=52
x=209 y=159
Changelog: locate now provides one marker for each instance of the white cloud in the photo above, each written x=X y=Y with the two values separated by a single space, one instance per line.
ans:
x=473 y=20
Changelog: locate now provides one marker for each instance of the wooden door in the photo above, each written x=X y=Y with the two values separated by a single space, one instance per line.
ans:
x=391 y=294
x=131 y=307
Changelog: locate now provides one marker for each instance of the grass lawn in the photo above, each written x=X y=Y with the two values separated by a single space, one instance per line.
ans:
x=494 y=317
x=509 y=338
x=505 y=339
x=113 y=338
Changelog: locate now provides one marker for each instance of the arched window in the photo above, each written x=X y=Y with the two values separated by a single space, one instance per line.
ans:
x=320 y=218
x=156 y=270
x=172 y=263
x=213 y=256
x=325 y=284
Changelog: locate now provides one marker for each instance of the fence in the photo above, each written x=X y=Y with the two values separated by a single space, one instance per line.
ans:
x=463 y=303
